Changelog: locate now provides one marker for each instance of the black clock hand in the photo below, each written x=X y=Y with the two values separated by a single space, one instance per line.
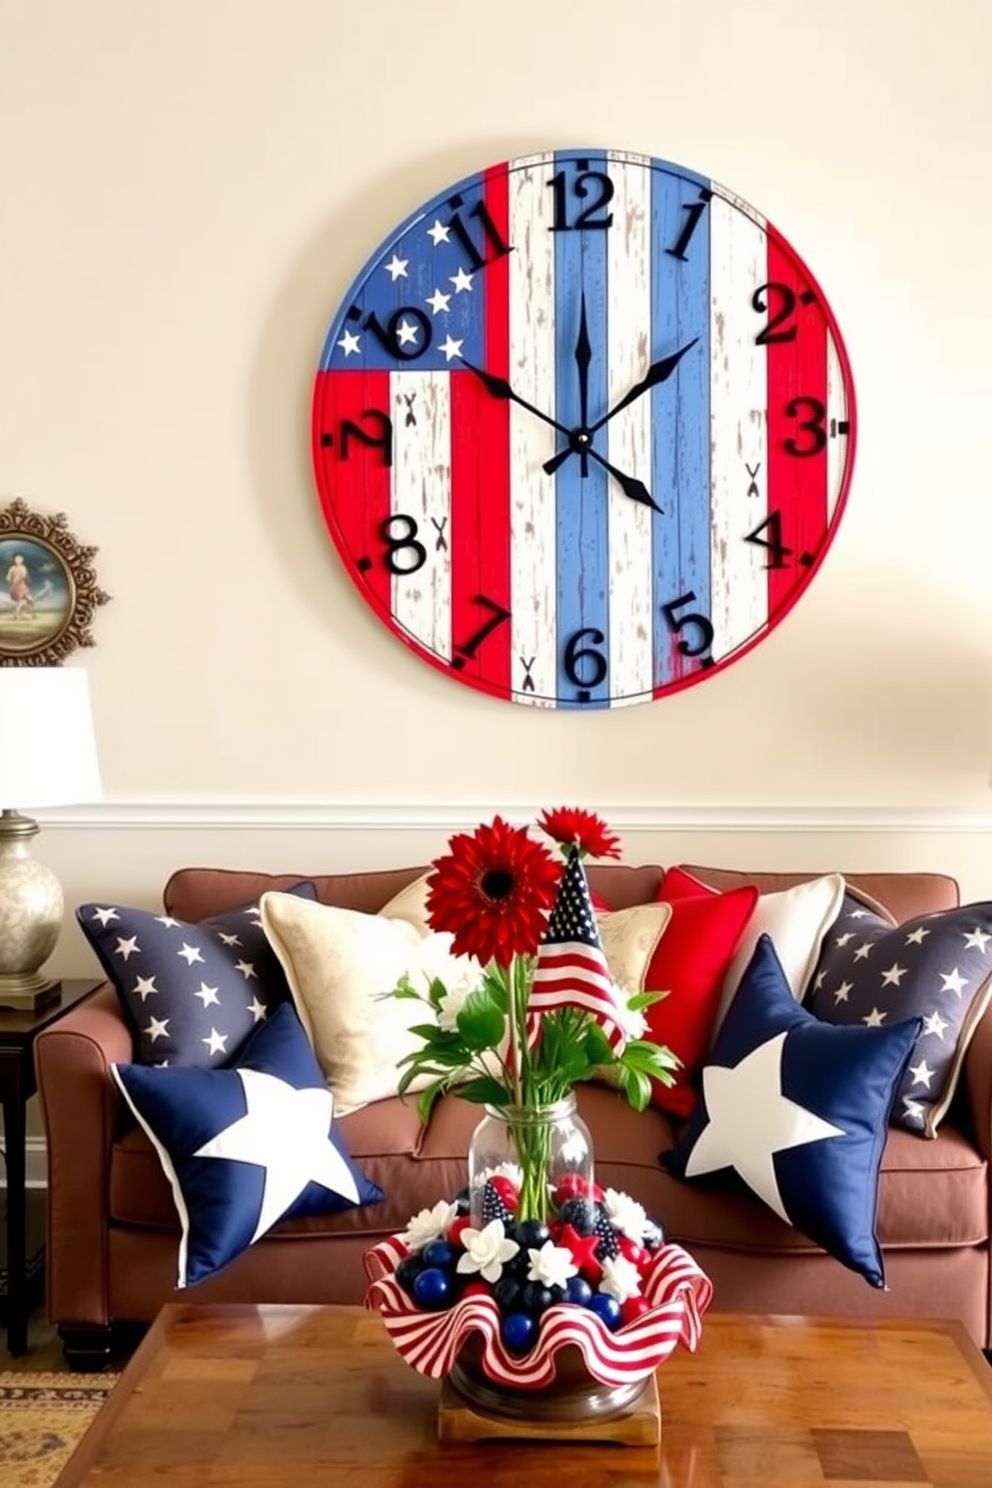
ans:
x=657 y=373
x=635 y=489
x=498 y=387
x=583 y=356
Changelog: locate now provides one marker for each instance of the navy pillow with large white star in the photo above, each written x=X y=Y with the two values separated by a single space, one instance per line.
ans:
x=245 y=1147
x=191 y=993
x=799 y=1110
x=935 y=966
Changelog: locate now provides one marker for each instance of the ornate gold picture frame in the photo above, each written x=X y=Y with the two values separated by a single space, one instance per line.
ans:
x=48 y=589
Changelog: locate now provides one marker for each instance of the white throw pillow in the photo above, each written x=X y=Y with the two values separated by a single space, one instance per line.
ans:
x=337 y=963
x=797 y=920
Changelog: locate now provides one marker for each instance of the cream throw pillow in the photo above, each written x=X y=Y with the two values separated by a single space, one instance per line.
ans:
x=337 y=962
x=797 y=920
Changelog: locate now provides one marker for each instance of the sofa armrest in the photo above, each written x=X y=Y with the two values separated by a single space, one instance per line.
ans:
x=80 y=1105
x=977 y=1080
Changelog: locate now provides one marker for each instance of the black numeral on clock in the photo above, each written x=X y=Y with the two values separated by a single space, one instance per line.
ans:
x=496 y=617
x=814 y=426
x=677 y=623
x=695 y=211
x=592 y=184
x=402 y=339
x=777 y=329
x=778 y=551
x=403 y=540
x=585 y=667
x=381 y=439
x=493 y=246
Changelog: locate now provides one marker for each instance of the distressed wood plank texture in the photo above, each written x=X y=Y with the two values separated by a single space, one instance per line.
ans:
x=259 y=1397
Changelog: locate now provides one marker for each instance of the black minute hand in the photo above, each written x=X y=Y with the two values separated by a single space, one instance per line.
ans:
x=583 y=356
x=498 y=387
x=658 y=372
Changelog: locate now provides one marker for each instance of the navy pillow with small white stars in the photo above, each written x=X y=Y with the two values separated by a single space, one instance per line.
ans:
x=191 y=993
x=937 y=967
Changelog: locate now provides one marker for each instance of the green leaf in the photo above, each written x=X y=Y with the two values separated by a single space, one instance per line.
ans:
x=641 y=1000
x=484 y=1091
x=597 y=1046
x=427 y=1097
x=635 y=1086
x=481 y=1024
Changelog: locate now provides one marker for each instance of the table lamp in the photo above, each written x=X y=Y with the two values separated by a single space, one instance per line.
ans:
x=47 y=758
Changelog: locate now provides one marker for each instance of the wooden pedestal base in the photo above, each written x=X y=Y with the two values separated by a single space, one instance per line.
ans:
x=639 y=1425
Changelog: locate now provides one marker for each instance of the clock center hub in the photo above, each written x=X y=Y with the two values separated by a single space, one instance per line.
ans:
x=580 y=441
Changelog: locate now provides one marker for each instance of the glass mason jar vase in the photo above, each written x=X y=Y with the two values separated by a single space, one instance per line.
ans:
x=540 y=1149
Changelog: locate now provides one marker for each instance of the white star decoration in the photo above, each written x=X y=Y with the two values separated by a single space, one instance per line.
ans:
x=396 y=267
x=438 y=233
x=158 y=1028
x=208 y=995
x=438 y=302
x=451 y=348
x=976 y=940
x=127 y=948
x=774 y=1123
x=874 y=1018
x=953 y=981
x=461 y=281
x=841 y=995
x=246 y=969
x=915 y=937
x=934 y=1024
x=349 y=343
x=863 y=951
x=105 y=916
x=144 y=987
x=274 y=1108
x=922 y=1073
x=167 y=921
x=216 y=1042
x=894 y=975
x=189 y=954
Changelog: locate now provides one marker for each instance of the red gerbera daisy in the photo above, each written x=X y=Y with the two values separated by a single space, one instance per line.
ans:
x=571 y=826
x=493 y=892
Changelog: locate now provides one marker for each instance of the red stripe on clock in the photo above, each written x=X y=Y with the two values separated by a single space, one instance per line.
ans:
x=480 y=479
x=797 y=381
x=353 y=478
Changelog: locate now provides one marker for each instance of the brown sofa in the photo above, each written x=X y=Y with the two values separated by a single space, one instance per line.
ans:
x=113 y=1233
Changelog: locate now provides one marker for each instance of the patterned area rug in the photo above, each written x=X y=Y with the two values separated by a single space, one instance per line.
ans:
x=42 y=1419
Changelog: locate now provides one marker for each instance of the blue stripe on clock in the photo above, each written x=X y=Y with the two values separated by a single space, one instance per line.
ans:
x=583 y=533
x=680 y=418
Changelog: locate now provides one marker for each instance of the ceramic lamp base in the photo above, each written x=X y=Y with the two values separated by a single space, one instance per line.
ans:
x=31 y=910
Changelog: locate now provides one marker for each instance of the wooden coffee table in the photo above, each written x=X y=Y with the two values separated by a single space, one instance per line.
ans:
x=254 y=1397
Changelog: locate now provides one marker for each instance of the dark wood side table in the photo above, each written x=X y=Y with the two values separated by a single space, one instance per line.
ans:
x=18 y=1031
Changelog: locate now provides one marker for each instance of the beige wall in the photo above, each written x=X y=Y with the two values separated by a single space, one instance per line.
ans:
x=188 y=186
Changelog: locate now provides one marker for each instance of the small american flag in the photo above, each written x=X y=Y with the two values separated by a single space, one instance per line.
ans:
x=571 y=968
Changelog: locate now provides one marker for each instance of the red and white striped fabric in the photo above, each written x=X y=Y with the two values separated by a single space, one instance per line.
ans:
x=678 y=1291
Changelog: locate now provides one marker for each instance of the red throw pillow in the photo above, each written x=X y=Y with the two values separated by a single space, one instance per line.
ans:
x=690 y=963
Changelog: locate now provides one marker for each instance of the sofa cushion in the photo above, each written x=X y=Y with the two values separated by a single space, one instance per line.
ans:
x=796 y=918
x=342 y=966
x=937 y=967
x=243 y=1148
x=689 y=964
x=191 y=991
x=901 y=894
x=798 y=1110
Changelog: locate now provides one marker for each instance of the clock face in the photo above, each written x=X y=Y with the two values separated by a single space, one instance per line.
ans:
x=583 y=429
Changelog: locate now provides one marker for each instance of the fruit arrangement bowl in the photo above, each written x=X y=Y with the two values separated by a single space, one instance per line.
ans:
x=509 y=1296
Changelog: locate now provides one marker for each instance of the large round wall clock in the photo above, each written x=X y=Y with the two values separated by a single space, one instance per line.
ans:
x=583 y=428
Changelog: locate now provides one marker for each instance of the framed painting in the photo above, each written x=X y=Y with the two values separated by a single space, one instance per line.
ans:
x=48 y=588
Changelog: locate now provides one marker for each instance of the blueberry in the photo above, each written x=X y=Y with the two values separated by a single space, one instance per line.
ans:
x=518 y=1332
x=407 y=1271
x=579 y=1291
x=461 y=1201
x=508 y=1294
x=433 y=1289
x=580 y=1214
x=537 y=1297
x=518 y=1266
x=439 y=1253
x=531 y=1234
x=558 y=1294
x=606 y=1307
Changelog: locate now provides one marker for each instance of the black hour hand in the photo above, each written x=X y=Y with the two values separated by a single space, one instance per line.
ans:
x=498 y=387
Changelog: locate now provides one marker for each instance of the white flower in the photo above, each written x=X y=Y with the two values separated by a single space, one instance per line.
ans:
x=486 y=1250
x=552 y=1264
x=450 y=1006
x=632 y=1021
x=625 y=1214
x=428 y=1225
x=621 y=1278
